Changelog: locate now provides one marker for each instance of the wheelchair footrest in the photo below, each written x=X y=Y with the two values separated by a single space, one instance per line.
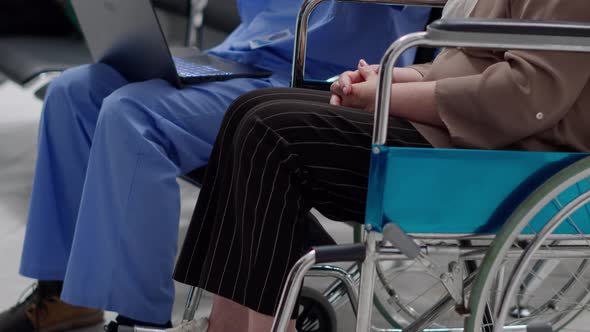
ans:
x=394 y=234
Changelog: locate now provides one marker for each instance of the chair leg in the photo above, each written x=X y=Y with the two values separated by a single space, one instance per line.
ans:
x=367 y=286
x=291 y=292
x=192 y=303
x=323 y=254
x=194 y=33
x=345 y=284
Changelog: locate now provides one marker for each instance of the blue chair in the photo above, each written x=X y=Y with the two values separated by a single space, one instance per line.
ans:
x=526 y=215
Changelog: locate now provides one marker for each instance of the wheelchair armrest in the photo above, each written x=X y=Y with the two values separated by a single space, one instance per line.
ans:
x=300 y=47
x=502 y=34
x=507 y=34
x=520 y=27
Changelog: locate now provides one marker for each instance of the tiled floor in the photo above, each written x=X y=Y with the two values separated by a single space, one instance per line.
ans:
x=19 y=114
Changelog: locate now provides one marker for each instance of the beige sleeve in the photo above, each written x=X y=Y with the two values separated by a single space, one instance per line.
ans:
x=423 y=69
x=525 y=94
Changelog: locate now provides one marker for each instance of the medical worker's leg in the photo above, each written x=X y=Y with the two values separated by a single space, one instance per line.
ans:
x=66 y=129
x=65 y=136
x=125 y=242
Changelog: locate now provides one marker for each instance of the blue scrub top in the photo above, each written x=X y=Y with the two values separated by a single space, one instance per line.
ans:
x=339 y=35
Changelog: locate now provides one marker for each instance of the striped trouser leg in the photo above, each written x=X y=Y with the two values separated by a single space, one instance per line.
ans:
x=279 y=153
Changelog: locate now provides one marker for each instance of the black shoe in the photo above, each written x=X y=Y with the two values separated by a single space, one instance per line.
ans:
x=43 y=311
x=123 y=324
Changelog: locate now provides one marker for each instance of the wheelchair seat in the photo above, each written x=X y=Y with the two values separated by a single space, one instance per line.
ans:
x=467 y=191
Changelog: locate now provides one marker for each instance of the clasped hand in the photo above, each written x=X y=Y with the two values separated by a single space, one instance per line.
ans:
x=356 y=89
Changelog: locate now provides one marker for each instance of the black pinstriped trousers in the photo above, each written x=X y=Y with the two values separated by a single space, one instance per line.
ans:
x=279 y=153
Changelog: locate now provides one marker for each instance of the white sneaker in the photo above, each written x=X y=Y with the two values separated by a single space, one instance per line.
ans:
x=200 y=325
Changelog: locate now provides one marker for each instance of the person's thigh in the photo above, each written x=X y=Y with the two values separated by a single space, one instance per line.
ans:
x=184 y=122
x=251 y=100
x=332 y=147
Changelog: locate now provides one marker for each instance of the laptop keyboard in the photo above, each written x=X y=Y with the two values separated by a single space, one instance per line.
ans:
x=190 y=69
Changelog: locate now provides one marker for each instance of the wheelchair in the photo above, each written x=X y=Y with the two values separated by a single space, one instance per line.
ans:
x=512 y=228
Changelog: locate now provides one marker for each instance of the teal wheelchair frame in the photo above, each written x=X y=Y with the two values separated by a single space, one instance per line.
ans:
x=525 y=213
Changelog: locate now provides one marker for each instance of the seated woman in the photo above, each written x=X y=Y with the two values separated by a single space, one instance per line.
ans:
x=281 y=152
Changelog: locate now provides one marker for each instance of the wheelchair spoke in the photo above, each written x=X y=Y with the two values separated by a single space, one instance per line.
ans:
x=547 y=280
x=553 y=313
x=572 y=223
x=549 y=307
x=549 y=312
x=422 y=294
x=408 y=305
x=534 y=274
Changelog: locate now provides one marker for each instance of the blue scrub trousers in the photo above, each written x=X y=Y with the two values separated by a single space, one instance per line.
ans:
x=105 y=205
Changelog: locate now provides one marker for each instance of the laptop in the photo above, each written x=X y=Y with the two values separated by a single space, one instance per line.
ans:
x=126 y=35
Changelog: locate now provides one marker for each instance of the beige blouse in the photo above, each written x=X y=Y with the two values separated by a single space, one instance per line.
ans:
x=525 y=100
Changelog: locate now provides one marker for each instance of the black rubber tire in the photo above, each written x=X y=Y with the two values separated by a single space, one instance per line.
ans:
x=316 y=314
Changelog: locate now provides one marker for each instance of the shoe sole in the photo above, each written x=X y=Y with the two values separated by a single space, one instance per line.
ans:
x=77 y=323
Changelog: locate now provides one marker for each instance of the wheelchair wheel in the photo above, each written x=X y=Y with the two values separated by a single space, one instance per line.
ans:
x=316 y=314
x=537 y=269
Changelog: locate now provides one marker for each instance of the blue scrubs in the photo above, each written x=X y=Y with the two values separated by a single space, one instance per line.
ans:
x=105 y=205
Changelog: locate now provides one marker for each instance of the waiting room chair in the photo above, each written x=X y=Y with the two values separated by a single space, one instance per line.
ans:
x=33 y=61
x=527 y=213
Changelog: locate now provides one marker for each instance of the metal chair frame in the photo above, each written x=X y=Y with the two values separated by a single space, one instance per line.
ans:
x=372 y=248
x=194 y=33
